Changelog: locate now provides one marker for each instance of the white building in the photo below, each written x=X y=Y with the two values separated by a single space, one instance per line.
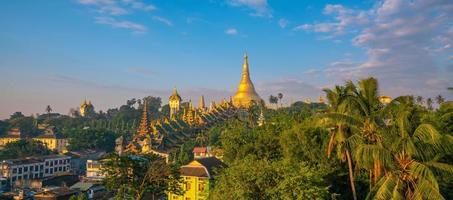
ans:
x=34 y=167
x=94 y=170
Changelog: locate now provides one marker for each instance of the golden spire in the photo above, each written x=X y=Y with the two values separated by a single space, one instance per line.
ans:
x=202 y=106
x=246 y=93
x=144 y=127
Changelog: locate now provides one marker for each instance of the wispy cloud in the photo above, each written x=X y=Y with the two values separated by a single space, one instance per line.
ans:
x=283 y=23
x=114 y=7
x=163 y=20
x=231 y=31
x=260 y=7
x=109 y=8
x=124 y=24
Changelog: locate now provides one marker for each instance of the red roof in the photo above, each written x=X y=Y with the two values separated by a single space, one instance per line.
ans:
x=200 y=150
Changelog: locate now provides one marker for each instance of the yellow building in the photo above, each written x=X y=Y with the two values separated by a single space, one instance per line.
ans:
x=385 y=99
x=50 y=139
x=54 y=142
x=12 y=136
x=196 y=176
x=246 y=94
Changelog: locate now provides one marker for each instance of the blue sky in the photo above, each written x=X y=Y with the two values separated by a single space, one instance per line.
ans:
x=61 y=52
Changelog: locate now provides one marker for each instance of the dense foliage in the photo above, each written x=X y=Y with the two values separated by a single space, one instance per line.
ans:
x=24 y=148
x=97 y=139
x=140 y=177
x=396 y=150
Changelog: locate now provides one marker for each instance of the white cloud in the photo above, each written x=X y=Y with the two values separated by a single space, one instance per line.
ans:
x=113 y=7
x=283 y=23
x=303 y=27
x=404 y=42
x=136 y=28
x=232 y=31
x=260 y=7
x=163 y=20
x=343 y=18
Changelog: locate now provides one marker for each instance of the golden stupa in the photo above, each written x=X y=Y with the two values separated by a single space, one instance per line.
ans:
x=246 y=93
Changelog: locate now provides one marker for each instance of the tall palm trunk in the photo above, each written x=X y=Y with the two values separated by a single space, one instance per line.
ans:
x=351 y=175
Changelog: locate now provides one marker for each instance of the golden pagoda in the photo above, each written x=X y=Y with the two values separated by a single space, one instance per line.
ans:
x=144 y=128
x=246 y=93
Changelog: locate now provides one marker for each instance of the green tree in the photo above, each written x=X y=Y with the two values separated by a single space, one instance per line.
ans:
x=140 y=177
x=280 y=97
x=48 y=111
x=411 y=155
x=429 y=103
x=273 y=100
x=24 y=148
x=100 y=139
x=264 y=179
x=440 y=99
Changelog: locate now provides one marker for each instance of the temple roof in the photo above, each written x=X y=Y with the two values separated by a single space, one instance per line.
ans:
x=175 y=96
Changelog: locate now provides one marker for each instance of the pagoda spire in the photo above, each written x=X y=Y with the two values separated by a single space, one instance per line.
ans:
x=144 y=127
x=202 y=106
x=245 y=94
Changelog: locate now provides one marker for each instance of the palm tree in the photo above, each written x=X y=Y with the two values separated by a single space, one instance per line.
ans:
x=48 y=110
x=412 y=148
x=440 y=99
x=339 y=132
x=429 y=103
x=419 y=100
x=201 y=138
x=273 y=100
x=359 y=114
x=280 y=97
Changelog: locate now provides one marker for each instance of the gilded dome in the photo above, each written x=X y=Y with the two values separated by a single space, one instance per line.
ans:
x=246 y=93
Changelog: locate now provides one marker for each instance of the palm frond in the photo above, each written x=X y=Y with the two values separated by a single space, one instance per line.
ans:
x=427 y=133
x=421 y=172
x=440 y=166
x=344 y=119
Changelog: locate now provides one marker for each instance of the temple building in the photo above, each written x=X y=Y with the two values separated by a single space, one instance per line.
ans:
x=86 y=108
x=166 y=134
x=174 y=102
x=246 y=94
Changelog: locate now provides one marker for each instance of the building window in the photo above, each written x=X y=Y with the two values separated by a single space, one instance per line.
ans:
x=187 y=186
x=51 y=170
x=41 y=175
x=14 y=170
x=13 y=179
x=25 y=176
x=25 y=169
x=41 y=167
x=60 y=162
x=20 y=170
x=47 y=163
x=60 y=169
x=55 y=162
x=200 y=187
x=47 y=171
